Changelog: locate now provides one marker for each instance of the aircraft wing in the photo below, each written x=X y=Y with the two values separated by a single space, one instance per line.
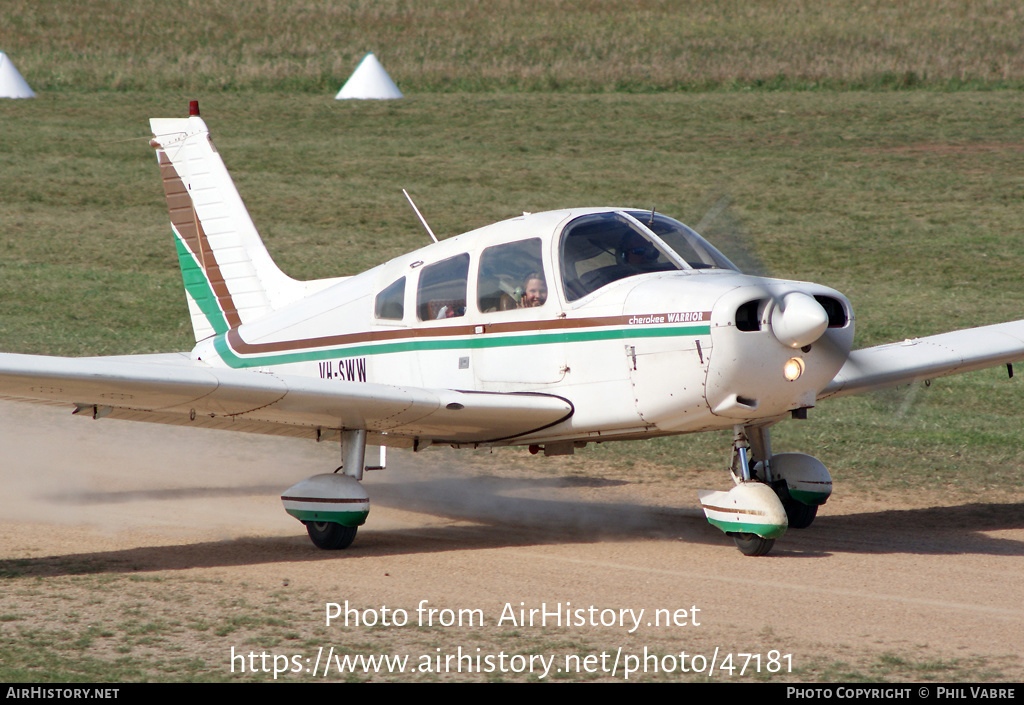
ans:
x=927 y=358
x=175 y=389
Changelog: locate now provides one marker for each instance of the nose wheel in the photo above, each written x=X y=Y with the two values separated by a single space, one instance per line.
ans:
x=751 y=514
x=772 y=493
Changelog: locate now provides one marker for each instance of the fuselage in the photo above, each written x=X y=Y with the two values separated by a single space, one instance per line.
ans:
x=638 y=322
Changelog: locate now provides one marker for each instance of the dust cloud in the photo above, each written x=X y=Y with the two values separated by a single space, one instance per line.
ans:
x=118 y=475
x=59 y=468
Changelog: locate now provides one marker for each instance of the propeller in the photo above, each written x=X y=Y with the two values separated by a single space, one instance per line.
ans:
x=792 y=321
x=796 y=319
x=722 y=228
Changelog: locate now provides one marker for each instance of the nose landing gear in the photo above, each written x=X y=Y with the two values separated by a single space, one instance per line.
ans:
x=772 y=493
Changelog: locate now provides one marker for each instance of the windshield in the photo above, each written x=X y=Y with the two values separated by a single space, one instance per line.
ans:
x=691 y=247
x=599 y=249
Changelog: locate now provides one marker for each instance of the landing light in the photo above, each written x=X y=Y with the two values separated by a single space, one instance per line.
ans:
x=793 y=368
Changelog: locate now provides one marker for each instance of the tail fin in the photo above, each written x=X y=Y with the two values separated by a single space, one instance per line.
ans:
x=229 y=276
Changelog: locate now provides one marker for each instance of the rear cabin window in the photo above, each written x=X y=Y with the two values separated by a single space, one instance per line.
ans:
x=442 y=289
x=511 y=277
x=390 y=304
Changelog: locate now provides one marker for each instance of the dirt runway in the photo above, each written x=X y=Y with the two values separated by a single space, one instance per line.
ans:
x=870 y=591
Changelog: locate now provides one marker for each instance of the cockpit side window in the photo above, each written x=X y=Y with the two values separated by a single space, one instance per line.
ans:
x=442 y=289
x=390 y=303
x=511 y=277
x=599 y=249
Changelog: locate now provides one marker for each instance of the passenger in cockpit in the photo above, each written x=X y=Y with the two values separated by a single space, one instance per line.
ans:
x=535 y=291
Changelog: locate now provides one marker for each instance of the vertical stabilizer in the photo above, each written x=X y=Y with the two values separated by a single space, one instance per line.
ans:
x=229 y=276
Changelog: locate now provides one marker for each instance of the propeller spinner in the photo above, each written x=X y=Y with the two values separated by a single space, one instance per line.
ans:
x=798 y=320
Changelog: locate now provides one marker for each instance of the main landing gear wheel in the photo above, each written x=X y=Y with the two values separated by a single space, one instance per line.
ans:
x=800 y=515
x=752 y=544
x=330 y=536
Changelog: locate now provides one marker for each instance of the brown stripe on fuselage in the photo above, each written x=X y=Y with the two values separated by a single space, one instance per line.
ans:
x=186 y=222
x=240 y=346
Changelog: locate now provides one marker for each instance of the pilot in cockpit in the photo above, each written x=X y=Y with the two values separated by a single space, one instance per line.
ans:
x=635 y=251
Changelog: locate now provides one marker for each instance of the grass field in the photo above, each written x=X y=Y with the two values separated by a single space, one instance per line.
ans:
x=871 y=147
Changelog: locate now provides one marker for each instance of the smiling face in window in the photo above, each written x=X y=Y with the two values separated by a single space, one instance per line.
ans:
x=535 y=292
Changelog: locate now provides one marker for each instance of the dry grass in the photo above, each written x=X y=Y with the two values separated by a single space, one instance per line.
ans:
x=530 y=45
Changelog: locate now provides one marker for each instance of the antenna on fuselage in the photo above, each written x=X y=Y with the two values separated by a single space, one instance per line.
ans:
x=651 y=221
x=420 y=216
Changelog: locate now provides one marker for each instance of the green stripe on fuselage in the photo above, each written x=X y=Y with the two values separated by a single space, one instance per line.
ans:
x=469 y=343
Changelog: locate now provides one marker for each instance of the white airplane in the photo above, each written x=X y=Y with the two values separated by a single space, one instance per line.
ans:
x=550 y=330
